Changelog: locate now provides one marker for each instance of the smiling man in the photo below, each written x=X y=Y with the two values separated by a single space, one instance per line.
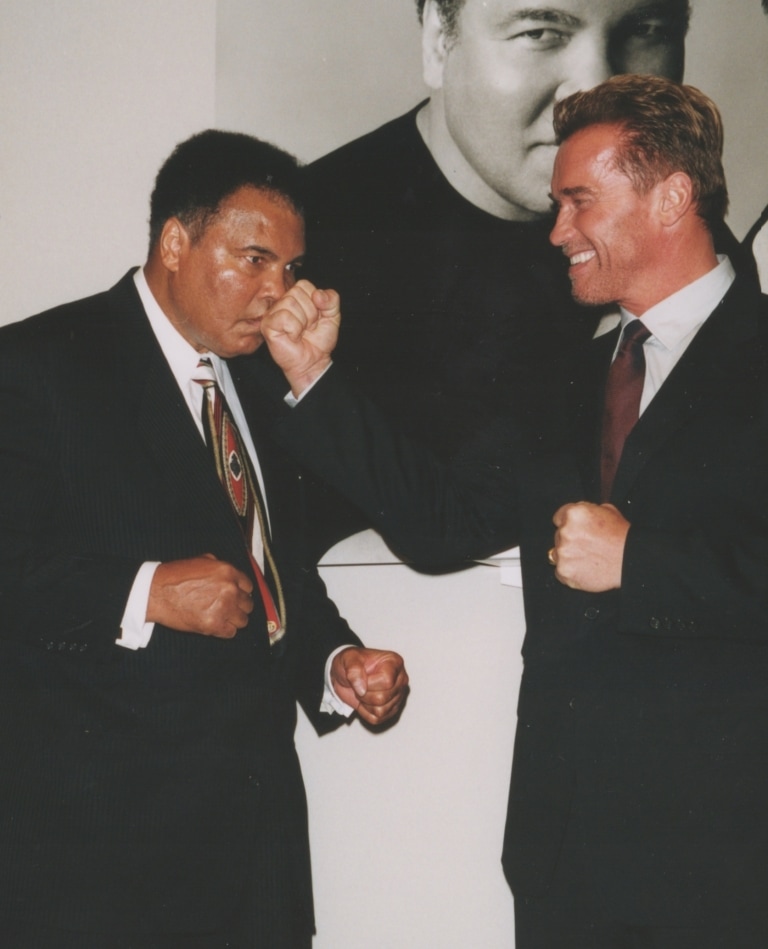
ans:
x=435 y=225
x=161 y=615
x=637 y=814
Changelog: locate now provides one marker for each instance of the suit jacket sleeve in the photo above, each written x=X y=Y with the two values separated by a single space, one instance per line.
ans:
x=50 y=592
x=431 y=512
x=322 y=630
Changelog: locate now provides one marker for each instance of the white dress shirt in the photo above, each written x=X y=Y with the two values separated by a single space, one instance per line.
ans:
x=675 y=321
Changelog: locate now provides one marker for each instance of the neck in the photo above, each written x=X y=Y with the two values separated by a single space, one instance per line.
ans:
x=681 y=261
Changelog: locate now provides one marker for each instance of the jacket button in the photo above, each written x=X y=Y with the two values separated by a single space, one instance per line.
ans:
x=591 y=612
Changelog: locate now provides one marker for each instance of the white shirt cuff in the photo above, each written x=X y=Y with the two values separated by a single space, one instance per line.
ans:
x=331 y=702
x=294 y=400
x=135 y=631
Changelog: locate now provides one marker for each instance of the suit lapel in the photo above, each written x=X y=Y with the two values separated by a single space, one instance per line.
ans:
x=587 y=423
x=171 y=438
x=171 y=442
x=706 y=370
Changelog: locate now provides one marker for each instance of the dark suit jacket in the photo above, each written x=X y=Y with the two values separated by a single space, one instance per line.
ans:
x=139 y=790
x=643 y=713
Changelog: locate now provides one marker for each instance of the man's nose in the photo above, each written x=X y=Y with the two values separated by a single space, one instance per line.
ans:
x=589 y=62
x=274 y=283
x=562 y=230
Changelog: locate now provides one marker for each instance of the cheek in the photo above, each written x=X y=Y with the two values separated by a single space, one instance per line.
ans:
x=483 y=112
x=225 y=281
x=232 y=293
x=484 y=77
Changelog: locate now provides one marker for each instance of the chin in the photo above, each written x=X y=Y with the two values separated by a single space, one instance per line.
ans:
x=586 y=298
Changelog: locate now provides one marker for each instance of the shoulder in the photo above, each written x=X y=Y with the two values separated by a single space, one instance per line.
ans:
x=61 y=318
x=386 y=143
x=374 y=171
x=55 y=335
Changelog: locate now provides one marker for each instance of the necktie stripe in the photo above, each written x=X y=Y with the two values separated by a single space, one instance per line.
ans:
x=236 y=475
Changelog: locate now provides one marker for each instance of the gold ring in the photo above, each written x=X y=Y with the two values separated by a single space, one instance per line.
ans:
x=551 y=556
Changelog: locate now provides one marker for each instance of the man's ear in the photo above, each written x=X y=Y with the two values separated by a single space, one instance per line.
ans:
x=675 y=197
x=434 y=45
x=174 y=241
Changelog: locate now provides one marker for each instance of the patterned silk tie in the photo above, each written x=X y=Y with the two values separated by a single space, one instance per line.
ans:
x=623 y=391
x=236 y=474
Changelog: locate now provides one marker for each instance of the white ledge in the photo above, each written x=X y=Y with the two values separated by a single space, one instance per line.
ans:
x=368 y=548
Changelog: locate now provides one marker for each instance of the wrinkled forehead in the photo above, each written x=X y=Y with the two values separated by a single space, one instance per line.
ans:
x=587 y=156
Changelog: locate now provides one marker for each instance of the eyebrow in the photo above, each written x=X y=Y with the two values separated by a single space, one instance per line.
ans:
x=270 y=254
x=541 y=14
x=574 y=192
x=261 y=251
x=678 y=10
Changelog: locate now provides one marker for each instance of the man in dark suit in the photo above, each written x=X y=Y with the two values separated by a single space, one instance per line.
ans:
x=755 y=243
x=637 y=804
x=160 y=615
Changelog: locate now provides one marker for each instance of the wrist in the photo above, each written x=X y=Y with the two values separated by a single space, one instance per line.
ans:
x=303 y=380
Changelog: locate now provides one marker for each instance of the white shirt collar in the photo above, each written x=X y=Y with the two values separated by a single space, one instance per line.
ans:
x=181 y=356
x=675 y=318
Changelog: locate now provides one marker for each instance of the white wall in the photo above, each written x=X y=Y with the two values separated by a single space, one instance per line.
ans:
x=728 y=59
x=93 y=96
x=407 y=825
x=312 y=74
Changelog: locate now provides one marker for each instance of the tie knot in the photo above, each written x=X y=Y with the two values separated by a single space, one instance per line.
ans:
x=635 y=334
x=204 y=375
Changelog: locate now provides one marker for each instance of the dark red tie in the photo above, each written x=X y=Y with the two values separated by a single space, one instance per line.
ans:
x=236 y=474
x=623 y=391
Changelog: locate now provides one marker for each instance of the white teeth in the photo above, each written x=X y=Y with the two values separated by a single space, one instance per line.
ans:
x=582 y=258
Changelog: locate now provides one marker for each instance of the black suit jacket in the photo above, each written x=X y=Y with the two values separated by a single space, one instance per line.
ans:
x=643 y=713
x=140 y=790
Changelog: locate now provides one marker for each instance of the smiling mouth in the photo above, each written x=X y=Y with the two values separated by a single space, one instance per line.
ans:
x=581 y=258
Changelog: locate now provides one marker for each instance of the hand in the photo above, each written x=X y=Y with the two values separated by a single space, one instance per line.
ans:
x=372 y=681
x=589 y=546
x=200 y=595
x=301 y=330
